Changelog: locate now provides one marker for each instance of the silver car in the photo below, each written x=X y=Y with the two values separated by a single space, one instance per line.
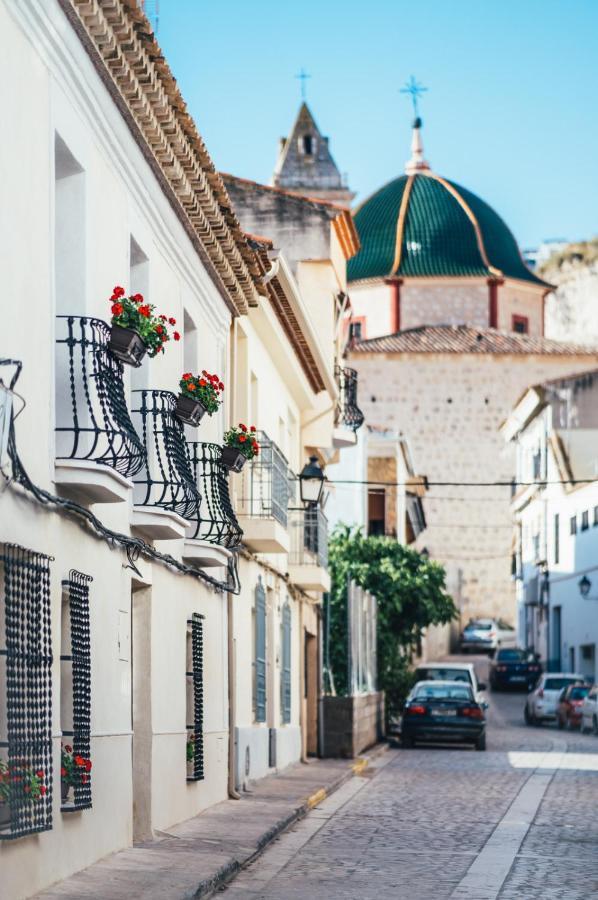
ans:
x=589 y=711
x=542 y=702
x=486 y=635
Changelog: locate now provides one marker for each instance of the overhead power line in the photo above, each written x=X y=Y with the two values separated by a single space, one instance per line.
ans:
x=509 y=484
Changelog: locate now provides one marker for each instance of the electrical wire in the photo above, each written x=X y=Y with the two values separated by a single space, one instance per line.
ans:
x=427 y=483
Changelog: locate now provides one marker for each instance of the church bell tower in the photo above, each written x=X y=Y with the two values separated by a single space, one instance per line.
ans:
x=305 y=164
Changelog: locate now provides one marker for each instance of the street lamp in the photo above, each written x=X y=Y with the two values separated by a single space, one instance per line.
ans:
x=584 y=584
x=311 y=481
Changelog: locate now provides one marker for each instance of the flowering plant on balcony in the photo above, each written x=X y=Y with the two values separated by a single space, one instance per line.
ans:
x=74 y=769
x=19 y=780
x=190 y=748
x=133 y=315
x=243 y=440
x=205 y=388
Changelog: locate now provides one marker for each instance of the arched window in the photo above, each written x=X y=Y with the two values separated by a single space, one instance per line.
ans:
x=307 y=145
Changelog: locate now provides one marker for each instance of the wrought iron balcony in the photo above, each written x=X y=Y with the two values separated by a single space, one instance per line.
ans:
x=348 y=414
x=92 y=420
x=216 y=522
x=309 y=537
x=167 y=480
x=266 y=485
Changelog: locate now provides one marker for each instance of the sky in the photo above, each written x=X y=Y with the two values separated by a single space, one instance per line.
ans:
x=510 y=112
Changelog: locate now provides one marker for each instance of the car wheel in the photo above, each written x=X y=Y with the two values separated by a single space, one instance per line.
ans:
x=559 y=723
x=595 y=725
x=480 y=744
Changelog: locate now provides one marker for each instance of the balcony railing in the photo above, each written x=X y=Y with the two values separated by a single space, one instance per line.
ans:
x=347 y=411
x=167 y=480
x=309 y=537
x=216 y=522
x=92 y=418
x=266 y=485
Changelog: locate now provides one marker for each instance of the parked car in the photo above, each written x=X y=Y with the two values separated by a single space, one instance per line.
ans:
x=449 y=671
x=589 y=711
x=568 y=711
x=514 y=667
x=443 y=711
x=486 y=635
x=542 y=702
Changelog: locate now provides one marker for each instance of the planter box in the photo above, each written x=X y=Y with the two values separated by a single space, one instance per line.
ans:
x=189 y=410
x=352 y=724
x=5 y=817
x=232 y=459
x=127 y=346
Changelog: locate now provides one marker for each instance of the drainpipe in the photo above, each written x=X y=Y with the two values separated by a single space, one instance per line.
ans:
x=232 y=675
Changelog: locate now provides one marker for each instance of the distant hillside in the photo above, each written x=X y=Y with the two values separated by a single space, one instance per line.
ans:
x=572 y=310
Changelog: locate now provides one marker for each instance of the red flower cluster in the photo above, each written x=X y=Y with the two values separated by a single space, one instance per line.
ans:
x=243 y=438
x=205 y=388
x=132 y=312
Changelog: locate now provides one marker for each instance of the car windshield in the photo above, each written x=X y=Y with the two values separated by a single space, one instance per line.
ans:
x=557 y=684
x=443 y=692
x=441 y=674
x=479 y=626
x=513 y=655
x=578 y=693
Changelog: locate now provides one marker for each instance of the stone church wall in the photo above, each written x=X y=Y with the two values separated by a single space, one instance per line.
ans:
x=450 y=407
x=444 y=304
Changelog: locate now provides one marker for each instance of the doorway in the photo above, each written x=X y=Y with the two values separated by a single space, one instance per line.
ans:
x=311 y=693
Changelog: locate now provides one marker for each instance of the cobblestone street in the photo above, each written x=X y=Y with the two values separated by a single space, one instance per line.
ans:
x=516 y=823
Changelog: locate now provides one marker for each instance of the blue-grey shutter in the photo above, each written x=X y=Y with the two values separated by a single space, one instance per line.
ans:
x=286 y=665
x=260 y=651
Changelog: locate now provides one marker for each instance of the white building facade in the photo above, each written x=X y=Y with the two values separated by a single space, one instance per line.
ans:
x=555 y=430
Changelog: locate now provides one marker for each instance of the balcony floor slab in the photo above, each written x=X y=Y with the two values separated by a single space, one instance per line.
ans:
x=310 y=578
x=264 y=535
x=88 y=482
x=204 y=554
x=157 y=524
x=343 y=437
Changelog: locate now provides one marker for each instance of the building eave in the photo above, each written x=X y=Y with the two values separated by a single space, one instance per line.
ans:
x=119 y=41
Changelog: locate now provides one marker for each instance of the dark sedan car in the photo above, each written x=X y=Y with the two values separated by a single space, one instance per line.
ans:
x=514 y=667
x=443 y=712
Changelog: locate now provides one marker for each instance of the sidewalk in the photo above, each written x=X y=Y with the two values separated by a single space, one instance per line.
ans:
x=194 y=858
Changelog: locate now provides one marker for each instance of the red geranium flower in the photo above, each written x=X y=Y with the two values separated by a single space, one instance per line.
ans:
x=172 y=321
x=252 y=428
x=62 y=771
x=163 y=318
x=43 y=789
x=191 y=386
x=117 y=308
x=159 y=329
x=84 y=779
x=88 y=765
x=242 y=438
x=242 y=427
x=40 y=773
x=202 y=382
x=220 y=386
x=118 y=291
x=176 y=336
x=79 y=761
x=187 y=376
x=68 y=748
x=145 y=311
x=137 y=298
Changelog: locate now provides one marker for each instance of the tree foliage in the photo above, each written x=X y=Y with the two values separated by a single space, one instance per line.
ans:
x=411 y=595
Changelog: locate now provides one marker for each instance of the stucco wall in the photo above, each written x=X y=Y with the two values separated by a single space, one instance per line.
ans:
x=521 y=300
x=449 y=407
x=451 y=303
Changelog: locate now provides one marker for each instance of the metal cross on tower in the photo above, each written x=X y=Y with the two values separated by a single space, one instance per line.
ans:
x=302 y=75
x=415 y=90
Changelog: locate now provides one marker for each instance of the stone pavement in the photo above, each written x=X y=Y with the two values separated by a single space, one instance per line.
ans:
x=515 y=823
x=195 y=857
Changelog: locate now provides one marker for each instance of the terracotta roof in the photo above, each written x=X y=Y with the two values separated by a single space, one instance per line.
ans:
x=463 y=339
x=119 y=41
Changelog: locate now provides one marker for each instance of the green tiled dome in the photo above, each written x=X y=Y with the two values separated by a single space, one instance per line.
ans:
x=445 y=231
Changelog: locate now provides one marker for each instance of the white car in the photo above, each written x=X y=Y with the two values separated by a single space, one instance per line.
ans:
x=486 y=635
x=542 y=702
x=453 y=671
x=589 y=712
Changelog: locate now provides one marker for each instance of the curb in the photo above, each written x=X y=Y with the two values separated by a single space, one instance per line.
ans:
x=231 y=869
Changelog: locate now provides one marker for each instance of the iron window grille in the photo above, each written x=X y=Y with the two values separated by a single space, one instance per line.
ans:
x=266 y=483
x=348 y=412
x=76 y=589
x=309 y=537
x=26 y=769
x=167 y=479
x=285 y=679
x=260 y=652
x=92 y=418
x=195 y=735
x=216 y=521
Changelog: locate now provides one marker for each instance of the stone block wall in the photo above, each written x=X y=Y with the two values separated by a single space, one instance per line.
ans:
x=423 y=303
x=352 y=724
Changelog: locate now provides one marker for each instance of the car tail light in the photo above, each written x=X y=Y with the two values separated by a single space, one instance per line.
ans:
x=501 y=668
x=541 y=692
x=534 y=668
x=474 y=712
x=416 y=710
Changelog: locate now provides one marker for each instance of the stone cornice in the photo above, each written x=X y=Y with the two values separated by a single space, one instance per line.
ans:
x=118 y=39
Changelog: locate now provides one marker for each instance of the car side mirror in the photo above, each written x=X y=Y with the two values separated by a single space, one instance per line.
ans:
x=482 y=685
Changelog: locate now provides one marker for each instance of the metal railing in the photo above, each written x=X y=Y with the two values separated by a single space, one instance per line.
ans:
x=92 y=418
x=167 y=479
x=216 y=522
x=266 y=483
x=347 y=411
x=309 y=537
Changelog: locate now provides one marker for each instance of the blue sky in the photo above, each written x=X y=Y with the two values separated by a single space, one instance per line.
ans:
x=510 y=112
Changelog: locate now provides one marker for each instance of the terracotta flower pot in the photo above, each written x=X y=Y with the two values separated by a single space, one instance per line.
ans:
x=127 y=346
x=189 y=410
x=4 y=815
x=232 y=459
